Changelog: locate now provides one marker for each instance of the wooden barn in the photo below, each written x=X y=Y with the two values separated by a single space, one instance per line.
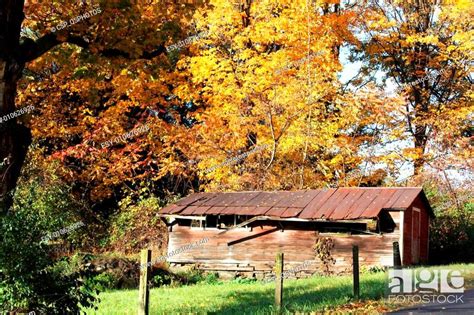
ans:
x=247 y=229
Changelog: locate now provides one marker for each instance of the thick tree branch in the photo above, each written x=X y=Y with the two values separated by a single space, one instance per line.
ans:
x=30 y=49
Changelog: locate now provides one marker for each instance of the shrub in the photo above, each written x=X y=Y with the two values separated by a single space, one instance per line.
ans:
x=452 y=229
x=452 y=235
x=30 y=279
x=377 y=269
x=212 y=278
x=191 y=276
x=162 y=278
x=372 y=269
x=115 y=271
x=244 y=280
x=323 y=247
x=136 y=226
x=41 y=191
x=104 y=281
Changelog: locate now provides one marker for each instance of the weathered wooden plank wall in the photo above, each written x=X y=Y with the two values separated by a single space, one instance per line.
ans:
x=258 y=254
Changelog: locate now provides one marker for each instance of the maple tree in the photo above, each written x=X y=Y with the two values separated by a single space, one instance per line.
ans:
x=100 y=58
x=267 y=76
x=425 y=47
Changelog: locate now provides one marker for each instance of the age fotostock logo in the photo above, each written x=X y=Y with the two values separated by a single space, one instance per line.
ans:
x=425 y=285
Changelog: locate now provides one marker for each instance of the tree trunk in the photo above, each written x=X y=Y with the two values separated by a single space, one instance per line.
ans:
x=420 y=144
x=418 y=166
x=14 y=138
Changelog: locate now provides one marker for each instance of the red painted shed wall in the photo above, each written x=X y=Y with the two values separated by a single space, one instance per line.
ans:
x=409 y=229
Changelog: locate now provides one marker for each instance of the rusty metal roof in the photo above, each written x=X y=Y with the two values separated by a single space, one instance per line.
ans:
x=330 y=204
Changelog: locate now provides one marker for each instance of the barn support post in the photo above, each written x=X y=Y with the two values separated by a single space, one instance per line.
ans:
x=279 y=281
x=144 y=291
x=397 y=262
x=355 y=271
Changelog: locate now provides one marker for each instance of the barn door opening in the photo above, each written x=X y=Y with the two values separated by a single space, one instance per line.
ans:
x=415 y=248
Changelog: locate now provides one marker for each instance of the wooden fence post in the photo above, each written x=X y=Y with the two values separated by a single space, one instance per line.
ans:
x=279 y=281
x=144 y=291
x=397 y=262
x=355 y=271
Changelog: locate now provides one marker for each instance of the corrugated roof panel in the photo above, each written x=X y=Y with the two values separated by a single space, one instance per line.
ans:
x=177 y=209
x=393 y=199
x=190 y=199
x=272 y=200
x=330 y=205
x=407 y=197
x=194 y=210
x=312 y=210
x=230 y=199
x=290 y=198
x=377 y=204
x=215 y=210
x=343 y=209
x=254 y=211
x=245 y=198
x=362 y=203
x=210 y=199
x=291 y=212
x=167 y=209
x=305 y=199
x=188 y=210
x=200 y=210
x=275 y=212
x=230 y=210
x=264 y=199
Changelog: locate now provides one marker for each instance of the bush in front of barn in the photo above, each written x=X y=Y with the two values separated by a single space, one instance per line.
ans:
x=163 y=277
x=194 y=276
x=33 y=277
x=114 y=272
x=118 y=273
x=136 y=226
x=30 y=280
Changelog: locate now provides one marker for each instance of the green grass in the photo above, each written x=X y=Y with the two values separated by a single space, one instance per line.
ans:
x=306 y=295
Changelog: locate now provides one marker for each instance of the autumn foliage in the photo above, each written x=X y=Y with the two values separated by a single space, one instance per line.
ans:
x=235 y=95
x=216 y=79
